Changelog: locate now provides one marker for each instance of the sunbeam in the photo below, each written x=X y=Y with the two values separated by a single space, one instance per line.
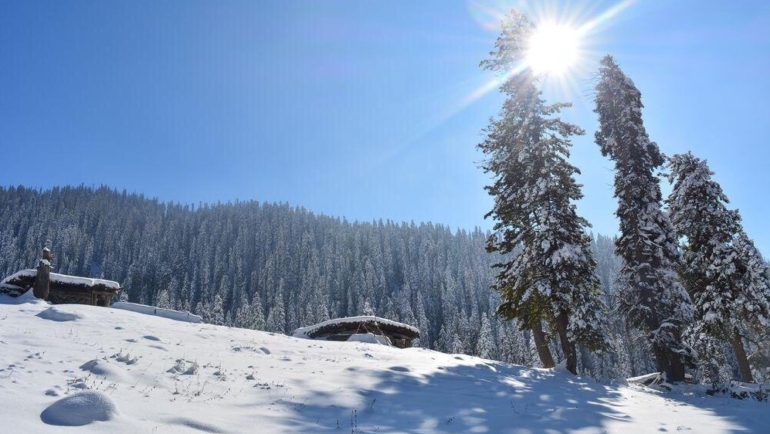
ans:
x=560 y=51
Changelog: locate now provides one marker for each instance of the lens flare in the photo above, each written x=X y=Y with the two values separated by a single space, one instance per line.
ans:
x=561 y=49
x=553 y=49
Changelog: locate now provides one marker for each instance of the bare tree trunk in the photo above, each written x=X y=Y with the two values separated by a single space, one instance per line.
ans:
x=676 y=371
x=666 y=360
x=542 y=346
x=567 y=347
x=670 y=363
x=740 y=354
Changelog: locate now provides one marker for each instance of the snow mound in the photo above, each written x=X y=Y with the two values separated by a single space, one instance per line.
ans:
x=104 y=369
x=27 y=297
x=56 y=314
x=561 y=367
x=158 y=311
x=81 y=409
x=370 y=338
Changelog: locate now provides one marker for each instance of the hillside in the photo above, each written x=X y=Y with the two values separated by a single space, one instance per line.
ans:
x=274 y=267
x=109 y=370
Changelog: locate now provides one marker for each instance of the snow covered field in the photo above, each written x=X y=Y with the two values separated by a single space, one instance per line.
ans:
x=72 y=368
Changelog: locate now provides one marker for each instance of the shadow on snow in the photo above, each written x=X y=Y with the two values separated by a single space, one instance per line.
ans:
x=487 y=397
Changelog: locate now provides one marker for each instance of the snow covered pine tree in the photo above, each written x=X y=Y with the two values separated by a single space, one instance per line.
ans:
x=548 y=273
x=651 y=295
x=721 y=269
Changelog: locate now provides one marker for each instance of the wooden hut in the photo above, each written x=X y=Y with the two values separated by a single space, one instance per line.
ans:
x=342 y=329
x=64 y=289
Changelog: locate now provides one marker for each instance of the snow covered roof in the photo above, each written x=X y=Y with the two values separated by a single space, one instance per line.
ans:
x=26 y=277
x=356 y=324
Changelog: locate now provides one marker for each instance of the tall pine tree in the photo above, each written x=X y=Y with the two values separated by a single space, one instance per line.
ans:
x=548 y=270
x=720 y=268
x=651 y=294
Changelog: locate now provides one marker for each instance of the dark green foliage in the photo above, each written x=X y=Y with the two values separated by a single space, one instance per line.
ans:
x=651 y=295
x=722 y=271
x=548 y=271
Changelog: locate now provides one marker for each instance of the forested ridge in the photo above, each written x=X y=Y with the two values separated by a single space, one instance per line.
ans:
x=310 y=266
x=276 y=267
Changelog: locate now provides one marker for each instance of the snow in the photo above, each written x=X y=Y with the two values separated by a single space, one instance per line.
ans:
x=65 y=279
x=11 y=289
x=29 y=272
x=86 y=281
x=80 y=408
x=646 y=378
x=152 y=310
x=54 y=313
x=370 y=338
x=118 y=371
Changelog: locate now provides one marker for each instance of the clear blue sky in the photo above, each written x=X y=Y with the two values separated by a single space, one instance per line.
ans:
x=358 y=109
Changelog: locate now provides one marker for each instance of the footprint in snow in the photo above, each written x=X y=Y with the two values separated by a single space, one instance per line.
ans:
x=152 y=338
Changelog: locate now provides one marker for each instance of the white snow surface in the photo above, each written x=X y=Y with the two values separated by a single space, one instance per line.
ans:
x=158 y=311
x=117 y=371
x=370 y=338
x=65 y=278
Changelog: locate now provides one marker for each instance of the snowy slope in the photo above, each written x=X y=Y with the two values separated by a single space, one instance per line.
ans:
x=117 y=371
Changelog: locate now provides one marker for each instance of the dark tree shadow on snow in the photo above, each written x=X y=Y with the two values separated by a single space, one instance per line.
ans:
x=488 y=397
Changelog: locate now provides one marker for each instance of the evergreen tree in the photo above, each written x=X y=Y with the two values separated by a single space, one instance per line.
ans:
x=651 y=295
x=485 y=343
x=162 y=300
x=721 y=270
x=548 y=273
x=255 y=317
x=276 y=319
x=217 y=311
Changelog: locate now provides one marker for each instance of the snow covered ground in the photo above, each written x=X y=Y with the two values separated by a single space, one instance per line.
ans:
x=72 y=368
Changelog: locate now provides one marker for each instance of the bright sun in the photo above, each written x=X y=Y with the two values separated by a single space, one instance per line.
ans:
x=553 y=49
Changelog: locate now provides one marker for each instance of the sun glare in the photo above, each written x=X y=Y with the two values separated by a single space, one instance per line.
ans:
x=553 y=49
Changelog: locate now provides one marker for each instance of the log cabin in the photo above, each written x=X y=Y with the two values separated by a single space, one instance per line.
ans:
x=64 y=289
x=342 y=329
